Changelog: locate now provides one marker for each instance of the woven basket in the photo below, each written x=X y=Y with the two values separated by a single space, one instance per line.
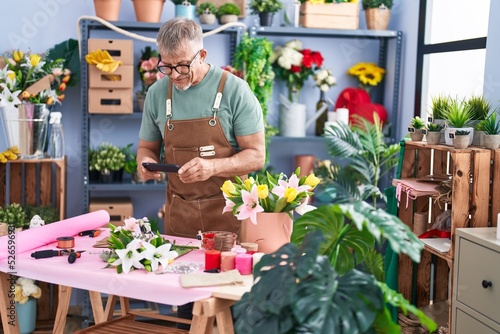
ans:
x=377 y=19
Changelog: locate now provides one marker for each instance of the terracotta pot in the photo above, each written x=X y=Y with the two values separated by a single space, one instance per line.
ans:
x=228 y=18
x=433 y=137
x=492 y=141
x=417 y=135
x=377 y=19
x=273 y=230
x=461 y=141
x=108 y=10
x=148 y=10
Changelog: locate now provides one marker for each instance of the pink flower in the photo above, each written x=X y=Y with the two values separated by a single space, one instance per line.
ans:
x=250 y=206
x=159 y=75
x=293 y=182
x=229 y=205
x=147 y=66
x=57 y=71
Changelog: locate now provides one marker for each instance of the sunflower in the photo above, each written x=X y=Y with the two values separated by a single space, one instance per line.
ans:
x=368 y=74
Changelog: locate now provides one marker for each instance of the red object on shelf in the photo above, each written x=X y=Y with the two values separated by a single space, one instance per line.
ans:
x=212 y=259
x=359 y=103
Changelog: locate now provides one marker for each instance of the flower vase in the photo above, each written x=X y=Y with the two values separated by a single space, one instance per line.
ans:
x=321 y=120
x=273 y=230
x=293 y=120
x=26 y=316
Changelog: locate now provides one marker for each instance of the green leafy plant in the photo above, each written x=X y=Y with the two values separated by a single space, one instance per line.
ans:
x=14 y=214
x=439 y=106
x=459 y=114
x=252 y=58
x=206 y=8
x=265 y=6
x=490 y=124
x=433 y=127
x=377 y=3
x=479 y=107
x=299 y=290
x=365 y=158
x=417 y=123
x=106 y=158
x=228 y=8
x=130 y=159
x=462 y=132
x=47 y=213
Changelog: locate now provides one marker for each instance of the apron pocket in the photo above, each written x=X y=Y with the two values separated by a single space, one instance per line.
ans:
x=184 y=154
x=187 y=217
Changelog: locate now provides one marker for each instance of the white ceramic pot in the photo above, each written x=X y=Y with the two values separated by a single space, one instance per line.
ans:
x=293 y=120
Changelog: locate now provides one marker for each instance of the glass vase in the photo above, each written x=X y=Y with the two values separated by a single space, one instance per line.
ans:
x=320 y=121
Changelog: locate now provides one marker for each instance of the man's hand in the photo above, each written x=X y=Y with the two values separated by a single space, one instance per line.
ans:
x=145 y=174
x=197 y=170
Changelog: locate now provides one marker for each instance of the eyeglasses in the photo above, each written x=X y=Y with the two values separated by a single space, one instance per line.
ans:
x=181 y=69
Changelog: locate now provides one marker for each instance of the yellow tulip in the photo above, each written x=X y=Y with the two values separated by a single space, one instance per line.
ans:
x=3 y=159
x=249 y=183
x=34 y=59
x=14 y=149
x=228 y=187
x=312 y=181
x=18 y=55
x=11 y=75
x=290 y=194
x=262 y=191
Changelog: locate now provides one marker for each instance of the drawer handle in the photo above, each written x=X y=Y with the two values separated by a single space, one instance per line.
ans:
x=486 y=284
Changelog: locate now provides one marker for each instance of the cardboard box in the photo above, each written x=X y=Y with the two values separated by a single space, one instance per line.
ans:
x=330 y=15
x=118 y=208
x=123 y=77
x=111 y=101
x=119 y=49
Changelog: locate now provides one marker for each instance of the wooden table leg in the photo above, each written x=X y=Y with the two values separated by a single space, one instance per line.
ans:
x=7 y=305
x=62 y=309
x=97 y=307
x=201 y=323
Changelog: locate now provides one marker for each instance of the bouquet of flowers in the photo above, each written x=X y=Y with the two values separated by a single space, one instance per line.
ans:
x=269 y=194
x=295 y=65
x=135 y=246
x=24 y=288
x=147 y=69
x=324 y=79
x=368 y=74
x=19 y=71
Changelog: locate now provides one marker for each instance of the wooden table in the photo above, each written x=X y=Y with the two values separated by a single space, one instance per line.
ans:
x=88 y=273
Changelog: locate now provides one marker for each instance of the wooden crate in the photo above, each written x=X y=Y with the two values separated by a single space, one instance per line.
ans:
x=472 y=201
x=329 y=15
x=34 y=182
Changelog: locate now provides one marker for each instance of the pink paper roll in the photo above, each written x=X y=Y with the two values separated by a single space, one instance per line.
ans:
x=33 y=238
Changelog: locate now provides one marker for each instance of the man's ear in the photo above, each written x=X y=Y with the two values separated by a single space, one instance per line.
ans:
x=203 y=55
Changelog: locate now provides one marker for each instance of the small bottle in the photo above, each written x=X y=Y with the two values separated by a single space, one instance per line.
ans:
x=320 y=121
x=57 y=136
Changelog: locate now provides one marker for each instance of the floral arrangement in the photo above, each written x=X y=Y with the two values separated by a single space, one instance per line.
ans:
x=295 y=65
x=24 y=288
x=147 y=69
x=106 y=158
x=135 y=246
x=324 y=79
x=22 y=70
x=245 y=198
x=9 y=154
x=368 y=74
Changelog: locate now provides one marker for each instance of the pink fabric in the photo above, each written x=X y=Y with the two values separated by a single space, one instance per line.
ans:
x=89 y=273
x=36 y=237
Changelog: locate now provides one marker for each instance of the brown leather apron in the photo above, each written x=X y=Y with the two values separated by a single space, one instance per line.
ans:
x=196 y=206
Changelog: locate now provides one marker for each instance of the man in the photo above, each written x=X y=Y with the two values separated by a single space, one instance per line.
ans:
x=211 y=125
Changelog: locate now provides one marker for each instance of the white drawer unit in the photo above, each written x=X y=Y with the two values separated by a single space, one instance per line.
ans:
x=476 y=286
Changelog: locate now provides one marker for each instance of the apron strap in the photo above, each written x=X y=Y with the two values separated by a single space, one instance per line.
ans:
x=218 y=98
x=168 y=105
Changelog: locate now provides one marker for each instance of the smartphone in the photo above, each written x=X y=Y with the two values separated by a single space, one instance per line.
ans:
x=155 y=167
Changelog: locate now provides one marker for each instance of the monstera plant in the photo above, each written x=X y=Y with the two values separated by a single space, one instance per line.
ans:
x=316 y=287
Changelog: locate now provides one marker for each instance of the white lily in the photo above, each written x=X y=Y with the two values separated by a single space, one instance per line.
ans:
x=130 y=257
x=8 y=98
x=304 y=207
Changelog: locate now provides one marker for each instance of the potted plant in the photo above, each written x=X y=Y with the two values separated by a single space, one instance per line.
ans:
x=377 y=13
x=109 y=159
x=148 y=10
x=415 y=129
x=480 y=109
x=108 y=10
x=458 y=116
x=461 y=138
x=318 y=284
x=266 y=10
x=14 y=215
x=148 y=72
x=228 y=12
x=207 y=12
x=439 y=107
x=185 y=8
x=433 y=133
x=491 y=130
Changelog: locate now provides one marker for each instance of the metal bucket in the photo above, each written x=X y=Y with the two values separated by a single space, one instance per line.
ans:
x=27 y=128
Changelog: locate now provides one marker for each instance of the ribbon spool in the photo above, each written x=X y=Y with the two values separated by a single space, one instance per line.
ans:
x=65 y=242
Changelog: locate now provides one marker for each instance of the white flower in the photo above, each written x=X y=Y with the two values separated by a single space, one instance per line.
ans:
x=36 y=221
x=161 y=255
x=290 y=57
x=304 y=207
x=130 y=257
x=324 y=88
x=8 y=98
x=321 y=75
x=330 y=80
x=294 y=44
